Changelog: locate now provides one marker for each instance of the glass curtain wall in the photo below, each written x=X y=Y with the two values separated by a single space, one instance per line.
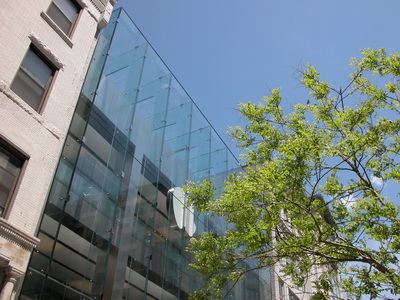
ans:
x=115 y=225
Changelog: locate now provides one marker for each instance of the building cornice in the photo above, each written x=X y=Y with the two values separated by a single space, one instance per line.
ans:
x=99 y=5
x=16 y=236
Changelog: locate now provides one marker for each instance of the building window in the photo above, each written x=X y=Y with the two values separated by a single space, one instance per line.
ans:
x=281 y=290
x=292 y=296
x=11 y=163
x=64 y=13
x=33 y=78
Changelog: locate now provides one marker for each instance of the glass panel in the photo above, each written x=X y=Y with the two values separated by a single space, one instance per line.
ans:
x=55 y=290
x=59 y=190
x=99 y=58
x=125 y=28
x=33 y=285
x=71 y=267
x=136 y=135
x=40 y=261
x=176 y=145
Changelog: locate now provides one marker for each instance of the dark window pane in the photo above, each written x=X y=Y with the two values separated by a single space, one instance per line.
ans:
x=63 y=13
x=10 y=166
x=68 y=9
x=33 y=284
x=58 y=17
x=37 y=69
x=25 y=87
x=32 y=79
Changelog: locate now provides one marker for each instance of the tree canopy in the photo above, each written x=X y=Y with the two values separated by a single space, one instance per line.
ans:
x=320 y=187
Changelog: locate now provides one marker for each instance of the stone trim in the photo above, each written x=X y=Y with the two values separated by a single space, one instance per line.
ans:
x=46 y=51
x=4 y=260
x=57 y=29
x=17 y=236
x=21 y=103
x=98 y=5
x=12 y=272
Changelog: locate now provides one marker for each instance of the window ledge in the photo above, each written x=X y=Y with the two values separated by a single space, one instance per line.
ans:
x=16 y=236
x=57 y=29
x=4 y=89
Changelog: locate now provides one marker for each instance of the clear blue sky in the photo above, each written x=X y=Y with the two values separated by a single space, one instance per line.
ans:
x=229 y=51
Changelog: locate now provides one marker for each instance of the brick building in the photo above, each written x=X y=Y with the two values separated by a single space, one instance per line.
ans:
x=45 y=50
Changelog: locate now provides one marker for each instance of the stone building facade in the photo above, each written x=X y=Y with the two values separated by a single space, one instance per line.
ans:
x=45 y=49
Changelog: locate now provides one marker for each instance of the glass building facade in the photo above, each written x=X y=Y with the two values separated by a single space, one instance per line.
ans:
x=115 y=225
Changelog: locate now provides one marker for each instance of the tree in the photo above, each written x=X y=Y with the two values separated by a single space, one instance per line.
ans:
x=320 y=187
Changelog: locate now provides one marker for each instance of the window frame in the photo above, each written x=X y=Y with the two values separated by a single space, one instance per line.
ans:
x=281 y=289
x=74 y=23
x=23 y=159
x=292 y=295
x=50 y=82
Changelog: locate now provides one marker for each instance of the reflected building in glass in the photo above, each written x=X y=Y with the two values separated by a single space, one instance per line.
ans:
x=114 y=225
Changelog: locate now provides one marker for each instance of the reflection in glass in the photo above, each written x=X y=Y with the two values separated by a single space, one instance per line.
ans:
x=116 y=225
